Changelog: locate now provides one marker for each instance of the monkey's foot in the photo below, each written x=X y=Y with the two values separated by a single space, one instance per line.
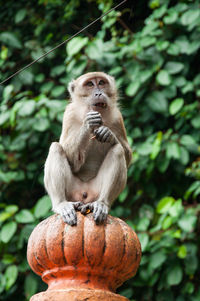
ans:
x=99 y=209
x=67 y=211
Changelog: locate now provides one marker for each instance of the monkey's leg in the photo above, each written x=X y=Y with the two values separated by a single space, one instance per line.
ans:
x=109 y=182
x=58 y=178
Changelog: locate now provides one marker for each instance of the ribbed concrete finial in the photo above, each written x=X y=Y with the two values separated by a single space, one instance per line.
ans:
x=83 y=262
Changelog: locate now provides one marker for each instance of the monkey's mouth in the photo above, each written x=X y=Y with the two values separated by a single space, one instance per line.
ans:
x=102 y=105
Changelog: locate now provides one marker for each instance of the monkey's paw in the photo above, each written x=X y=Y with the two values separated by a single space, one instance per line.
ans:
x=104 y=134
x=100 y=211
x=93 y=119
x=67 y=212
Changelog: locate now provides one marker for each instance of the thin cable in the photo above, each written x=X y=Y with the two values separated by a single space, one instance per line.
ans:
x=64 y=42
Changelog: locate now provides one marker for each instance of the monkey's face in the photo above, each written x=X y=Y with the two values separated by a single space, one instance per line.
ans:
x=96 y=89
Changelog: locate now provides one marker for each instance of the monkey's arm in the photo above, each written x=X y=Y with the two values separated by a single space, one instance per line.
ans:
x=75 y=138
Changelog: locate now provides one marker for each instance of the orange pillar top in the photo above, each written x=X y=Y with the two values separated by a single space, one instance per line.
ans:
x=83 y=257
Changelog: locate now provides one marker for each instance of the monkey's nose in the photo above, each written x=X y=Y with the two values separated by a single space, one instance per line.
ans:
x=98 y=94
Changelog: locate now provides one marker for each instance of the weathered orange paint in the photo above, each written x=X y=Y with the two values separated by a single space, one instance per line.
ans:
x=83 y=260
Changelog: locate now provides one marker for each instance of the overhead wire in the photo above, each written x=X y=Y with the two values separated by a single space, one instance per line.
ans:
x=62 y=43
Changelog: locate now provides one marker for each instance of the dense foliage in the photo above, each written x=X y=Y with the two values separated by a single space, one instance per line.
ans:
x=152 y=50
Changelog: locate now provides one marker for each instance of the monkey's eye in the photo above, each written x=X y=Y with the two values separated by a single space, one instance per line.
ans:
x=101 y=82
x=89 y=84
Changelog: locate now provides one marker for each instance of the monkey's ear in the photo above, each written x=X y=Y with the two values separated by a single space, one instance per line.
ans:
x=71 y=87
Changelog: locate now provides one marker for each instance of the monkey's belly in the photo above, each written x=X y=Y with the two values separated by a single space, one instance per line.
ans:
x=93 y=162
x=84 y=187
x=86 y=174
x=83 y=195
x=83 y=192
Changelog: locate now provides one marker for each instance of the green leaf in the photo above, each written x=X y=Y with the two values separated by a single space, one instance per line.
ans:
x=57 y=91
x=4 y=53
x=4 y=216
x=4 y=117
x=10 y=39
x=11 y=276
x=171 y=17
x=163 y=163
x=165 y=204
x=187 y=88
x=123 y=195
x=162 y=45
x=95 y=49
x=2 y=283
x=39 y=78
x=57 y=70
x=159 y=12
x=183 y=43
x=24 y=216
x=42 y=207
x=7 y=231
x=174 y=275
x=11 y=209
x=196 y=122
x=156 y=260
x=75 y=45
x=187 y=222
x=8 y=259
x=26 y=77
x=143 y=224
x=176 y=209
x=157 y=102
x=144 y=240
x=182 y=252
x=190 y=16
x=7 y=92
x=147 y=41
x=179 y=81
x=27 y=108
x=189 y=289
x=167 y=222
x=41 y=124
x=163 y=78
x=132 y=88
x=30 y=285
x=20 y=15
x=173 y=150
x=187 y=140
x=176 y=105
x=174 y=67
x=173 y=49
x=47 y=87
x=170 y=91
x=128 y=292
x=148 y=29
x=156 y=146
x=144 y=149
x=184 y=155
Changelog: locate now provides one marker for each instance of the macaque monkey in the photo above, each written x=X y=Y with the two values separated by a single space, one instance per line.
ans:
x=87 y=169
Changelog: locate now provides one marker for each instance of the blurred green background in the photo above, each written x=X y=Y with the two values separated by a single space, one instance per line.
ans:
x=151 y=48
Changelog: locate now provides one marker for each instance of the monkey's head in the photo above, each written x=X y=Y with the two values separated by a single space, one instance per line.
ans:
x=97 y=90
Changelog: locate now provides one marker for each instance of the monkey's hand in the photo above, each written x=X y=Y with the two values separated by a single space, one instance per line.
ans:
x=67 y=211
x=100 y=211
x=104 y=134
x=93 y=119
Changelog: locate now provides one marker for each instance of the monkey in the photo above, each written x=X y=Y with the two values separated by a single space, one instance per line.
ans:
x=87 y=169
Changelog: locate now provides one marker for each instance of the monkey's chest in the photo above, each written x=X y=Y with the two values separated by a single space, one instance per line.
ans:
x=94 y=159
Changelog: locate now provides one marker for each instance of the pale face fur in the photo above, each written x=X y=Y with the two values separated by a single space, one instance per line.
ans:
x=96 y=90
